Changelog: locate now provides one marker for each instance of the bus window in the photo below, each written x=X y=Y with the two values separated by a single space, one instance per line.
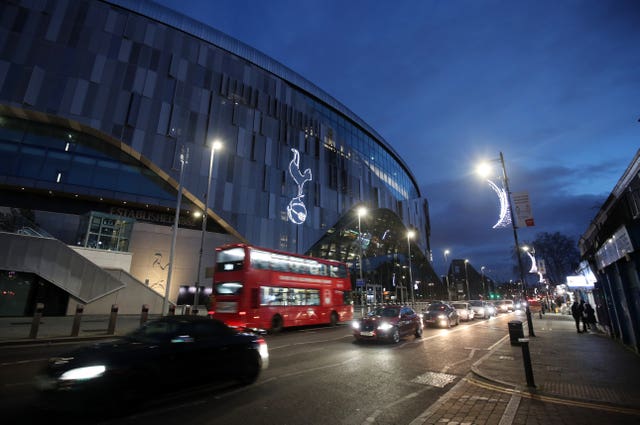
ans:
x=228 y=288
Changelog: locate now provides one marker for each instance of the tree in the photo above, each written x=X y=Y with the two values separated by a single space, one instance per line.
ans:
x=560 y=254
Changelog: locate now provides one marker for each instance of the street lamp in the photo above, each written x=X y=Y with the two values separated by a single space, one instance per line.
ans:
x=483 y=169
x=361 y=211
x=184 y=159
x=484 y=291
x=466 y=278
x=410 y=234
x=446 y=273
x=215 y=145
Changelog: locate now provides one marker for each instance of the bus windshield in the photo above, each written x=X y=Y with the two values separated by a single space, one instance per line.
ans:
x=230 y=259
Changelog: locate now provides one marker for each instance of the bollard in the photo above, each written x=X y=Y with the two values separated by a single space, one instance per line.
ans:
x=35 y=324
x=172 y=310
x=145 y=314
x=75 y=329
x=529 y=321
x=112 y=319
x=526 y=358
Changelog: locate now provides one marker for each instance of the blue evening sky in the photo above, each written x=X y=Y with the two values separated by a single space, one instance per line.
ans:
x=554 y=85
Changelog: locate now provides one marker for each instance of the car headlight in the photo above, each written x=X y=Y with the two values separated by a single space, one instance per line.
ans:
x=442 y=316
x=83 y=373
x=355 y=324
x=385 y=326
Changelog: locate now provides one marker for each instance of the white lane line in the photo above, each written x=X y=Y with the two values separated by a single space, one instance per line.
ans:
x=371 y=419
x=472 y=352
x=19 y=362
x=322 y=341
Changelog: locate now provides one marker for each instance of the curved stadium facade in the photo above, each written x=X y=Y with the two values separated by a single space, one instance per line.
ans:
x=102 y=103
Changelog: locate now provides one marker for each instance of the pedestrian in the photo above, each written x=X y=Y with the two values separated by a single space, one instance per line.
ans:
x=576 y=311
x=582 y=317
x=590 y=317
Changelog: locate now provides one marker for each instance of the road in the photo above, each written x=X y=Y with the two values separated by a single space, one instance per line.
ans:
x=316 y=376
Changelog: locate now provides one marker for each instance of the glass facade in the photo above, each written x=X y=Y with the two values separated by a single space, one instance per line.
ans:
x=98 y=99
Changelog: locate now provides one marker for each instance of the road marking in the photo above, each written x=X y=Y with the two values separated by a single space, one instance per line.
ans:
x=272 y=348
x=19 y=362
x=371 y=419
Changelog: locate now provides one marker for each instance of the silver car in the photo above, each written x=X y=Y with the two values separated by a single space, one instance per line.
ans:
x=465 y=312
x=481 y=309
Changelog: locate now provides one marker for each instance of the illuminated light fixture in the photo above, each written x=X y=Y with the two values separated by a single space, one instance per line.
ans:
x=66 y=147
x=197 y=214
x=296 y=210
x=531 y=253
x=58 y=177
x=504 y=218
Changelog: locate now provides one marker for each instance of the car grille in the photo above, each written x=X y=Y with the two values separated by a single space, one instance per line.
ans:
x=367 y=326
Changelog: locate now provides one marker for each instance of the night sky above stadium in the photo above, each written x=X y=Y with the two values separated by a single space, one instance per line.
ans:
x=554 y=85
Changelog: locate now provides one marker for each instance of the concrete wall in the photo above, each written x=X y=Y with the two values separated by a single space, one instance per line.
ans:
x=151 y=246
x=106 y=259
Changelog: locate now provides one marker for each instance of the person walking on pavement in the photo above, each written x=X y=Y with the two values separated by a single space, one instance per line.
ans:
x=589 y=317
x=576 y=311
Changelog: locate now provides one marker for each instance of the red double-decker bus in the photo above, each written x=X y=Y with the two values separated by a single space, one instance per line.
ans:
x=267 y=289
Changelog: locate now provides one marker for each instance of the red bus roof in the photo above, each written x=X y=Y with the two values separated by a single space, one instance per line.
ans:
x=275 y=251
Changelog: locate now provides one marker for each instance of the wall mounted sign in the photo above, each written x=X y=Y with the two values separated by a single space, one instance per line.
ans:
x=296 y=210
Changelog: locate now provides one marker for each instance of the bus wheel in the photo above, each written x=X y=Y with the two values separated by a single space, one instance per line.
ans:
x=276 y=324
x=334 y=318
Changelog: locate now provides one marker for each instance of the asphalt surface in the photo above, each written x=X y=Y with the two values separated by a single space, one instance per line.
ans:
x=575 y=378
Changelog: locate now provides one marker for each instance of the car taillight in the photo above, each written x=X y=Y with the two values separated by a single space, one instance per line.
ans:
x=242 y=313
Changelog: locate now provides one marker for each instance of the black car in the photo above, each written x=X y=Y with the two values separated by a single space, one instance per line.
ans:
x=166 y=354
x=440 y=315
x=388 y=323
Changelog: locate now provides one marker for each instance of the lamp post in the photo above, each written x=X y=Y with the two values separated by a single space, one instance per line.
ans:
x=215 y=145
x=484 y=291
x=410 y=235
x=184 y=159
x=446 y=272
x=361 y=211
x=466 y=278
x=505 y=179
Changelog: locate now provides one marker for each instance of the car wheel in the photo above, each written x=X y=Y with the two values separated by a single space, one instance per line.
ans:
x=276 y=324
x=334 y=318
x=250 y=368
x=419 y=332
x=395 y=336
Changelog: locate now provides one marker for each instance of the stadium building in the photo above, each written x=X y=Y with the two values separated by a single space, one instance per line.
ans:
x=109 y=108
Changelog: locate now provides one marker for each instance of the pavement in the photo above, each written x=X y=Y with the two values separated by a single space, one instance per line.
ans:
x=576 y=378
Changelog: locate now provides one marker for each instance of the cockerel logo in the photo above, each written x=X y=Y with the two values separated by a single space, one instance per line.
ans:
x=296 y=210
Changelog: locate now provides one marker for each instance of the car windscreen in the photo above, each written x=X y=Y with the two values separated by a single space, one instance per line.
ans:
x=437 y=307
x=459 y=306
x=386 y=312
x=159 y=331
